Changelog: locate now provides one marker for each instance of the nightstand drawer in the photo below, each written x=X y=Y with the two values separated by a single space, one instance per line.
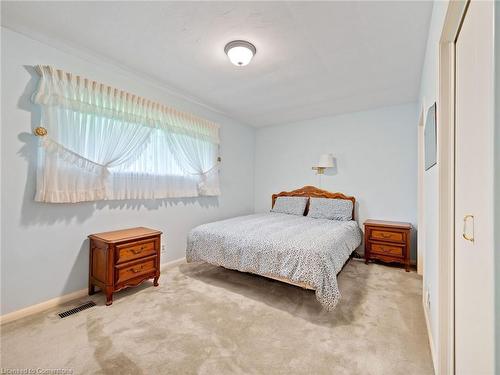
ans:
x=135 y=250
x=383 y=249
x=387 y=235
x=135 y=269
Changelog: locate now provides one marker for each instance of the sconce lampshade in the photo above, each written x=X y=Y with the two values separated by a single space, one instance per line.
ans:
x=325 y=161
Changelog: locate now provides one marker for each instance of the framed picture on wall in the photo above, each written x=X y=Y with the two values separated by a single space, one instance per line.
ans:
x=430 y=138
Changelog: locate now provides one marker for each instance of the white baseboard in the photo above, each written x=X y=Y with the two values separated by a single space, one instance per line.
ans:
x=39 y=307
x=54 y=302
x=429 y=334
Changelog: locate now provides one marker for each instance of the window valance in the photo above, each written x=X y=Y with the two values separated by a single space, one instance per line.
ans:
x=104 y=143
x=63 y=89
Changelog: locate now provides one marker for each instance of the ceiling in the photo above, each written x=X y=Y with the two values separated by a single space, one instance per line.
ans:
x=314 y=59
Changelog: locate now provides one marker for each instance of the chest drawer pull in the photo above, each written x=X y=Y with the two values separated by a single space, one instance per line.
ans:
x=137 y=270
x=384 y=249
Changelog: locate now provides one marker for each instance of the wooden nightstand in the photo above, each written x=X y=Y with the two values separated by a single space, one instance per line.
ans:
x=123 y=258
x=388 y=241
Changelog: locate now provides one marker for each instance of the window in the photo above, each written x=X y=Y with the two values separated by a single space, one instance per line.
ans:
x=103 y=143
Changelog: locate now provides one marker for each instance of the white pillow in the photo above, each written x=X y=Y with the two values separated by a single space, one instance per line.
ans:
x=332 y=209
x=290 y=205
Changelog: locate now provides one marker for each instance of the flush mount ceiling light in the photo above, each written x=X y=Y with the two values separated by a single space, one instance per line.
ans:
x=240 y=52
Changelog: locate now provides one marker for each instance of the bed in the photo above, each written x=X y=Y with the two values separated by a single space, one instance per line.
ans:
x=297 y=249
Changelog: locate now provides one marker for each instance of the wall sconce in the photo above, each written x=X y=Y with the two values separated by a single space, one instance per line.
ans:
x=325 y=161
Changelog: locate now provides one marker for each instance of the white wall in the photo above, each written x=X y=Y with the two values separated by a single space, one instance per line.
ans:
x=44 y=251
x=428 y=95
x=376 y=156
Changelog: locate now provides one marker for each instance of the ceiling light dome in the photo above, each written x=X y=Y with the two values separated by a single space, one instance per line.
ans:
x=240 y=52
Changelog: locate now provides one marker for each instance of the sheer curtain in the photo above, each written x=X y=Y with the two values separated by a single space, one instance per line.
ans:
x=103 y=143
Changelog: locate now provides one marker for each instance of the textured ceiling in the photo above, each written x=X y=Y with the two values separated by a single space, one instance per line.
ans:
x=313 y=59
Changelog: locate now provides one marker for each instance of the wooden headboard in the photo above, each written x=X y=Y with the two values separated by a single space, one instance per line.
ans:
x=311 y=191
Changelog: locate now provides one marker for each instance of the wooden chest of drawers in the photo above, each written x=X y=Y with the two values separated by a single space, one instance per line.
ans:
x=123 y=258
x=388 y=241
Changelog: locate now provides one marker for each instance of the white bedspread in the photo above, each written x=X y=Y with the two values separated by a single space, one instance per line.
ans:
x=299 y=248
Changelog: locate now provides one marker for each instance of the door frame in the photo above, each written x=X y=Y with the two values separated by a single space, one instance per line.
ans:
x=446 y=181
x=420 y=196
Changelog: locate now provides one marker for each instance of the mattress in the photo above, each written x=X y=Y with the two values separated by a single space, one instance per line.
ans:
x=304 y=250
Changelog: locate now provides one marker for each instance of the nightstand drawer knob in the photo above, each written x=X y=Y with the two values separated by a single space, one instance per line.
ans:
x=137 y=270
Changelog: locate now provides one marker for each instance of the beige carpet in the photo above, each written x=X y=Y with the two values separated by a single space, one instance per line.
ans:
x=208 y=320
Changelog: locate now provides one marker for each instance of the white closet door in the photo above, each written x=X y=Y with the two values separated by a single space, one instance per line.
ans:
x=474 y=255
